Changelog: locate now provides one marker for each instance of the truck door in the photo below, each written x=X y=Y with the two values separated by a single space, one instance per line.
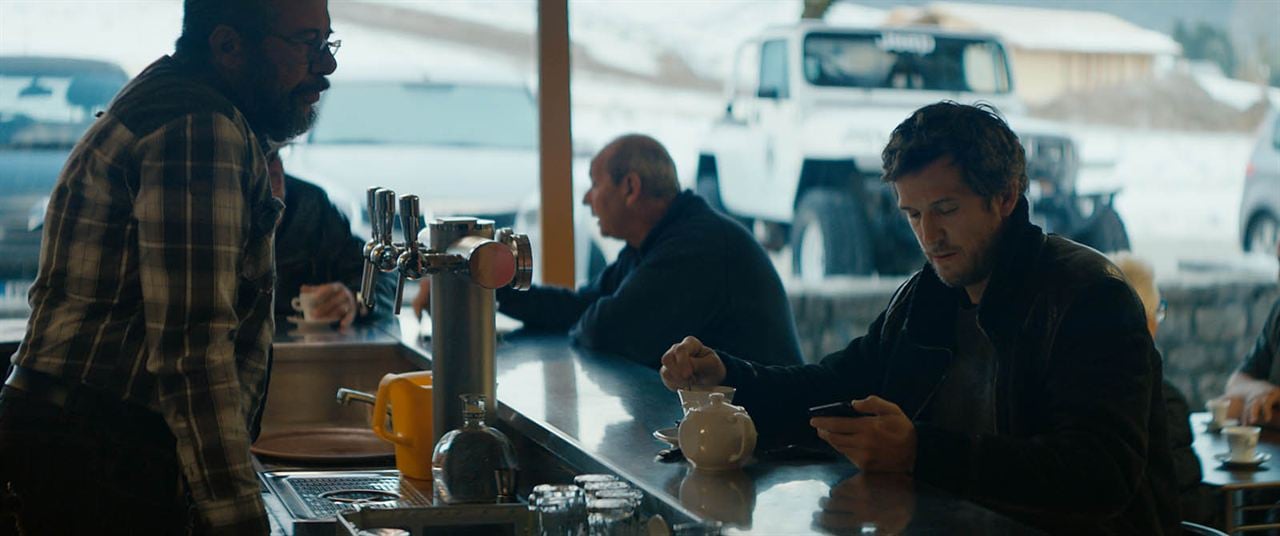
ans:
x=740 y=145
x=778 y=160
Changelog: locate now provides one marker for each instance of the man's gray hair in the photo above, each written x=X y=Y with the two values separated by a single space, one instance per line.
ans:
x=644 y=156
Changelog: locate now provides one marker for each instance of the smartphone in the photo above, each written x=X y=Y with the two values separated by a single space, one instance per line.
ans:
x=836 y=409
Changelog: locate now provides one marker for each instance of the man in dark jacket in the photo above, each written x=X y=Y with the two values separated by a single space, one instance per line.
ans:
x=685 y=269
x=316 y=253
x=1015 y=369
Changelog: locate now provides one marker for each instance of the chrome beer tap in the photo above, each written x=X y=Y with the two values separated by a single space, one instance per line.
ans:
x=380 y=253
x=467 y=260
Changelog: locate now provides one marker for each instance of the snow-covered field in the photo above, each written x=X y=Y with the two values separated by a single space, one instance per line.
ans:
x=1180 y=191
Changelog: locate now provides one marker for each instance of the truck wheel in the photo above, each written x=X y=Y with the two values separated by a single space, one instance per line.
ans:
x=1105 y=232
x=829 y=236
x=1262 y=233
x=708 y=188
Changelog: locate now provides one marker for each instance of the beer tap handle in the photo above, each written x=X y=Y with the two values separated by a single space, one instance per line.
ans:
x=366 y=277
x=386 y=205
x=399 y=294
x=371 y=198
x=410 y=261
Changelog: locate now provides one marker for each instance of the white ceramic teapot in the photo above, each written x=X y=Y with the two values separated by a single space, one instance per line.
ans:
x=717 y=436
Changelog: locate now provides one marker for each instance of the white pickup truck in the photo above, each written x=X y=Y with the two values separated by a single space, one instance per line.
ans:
x=810 y=108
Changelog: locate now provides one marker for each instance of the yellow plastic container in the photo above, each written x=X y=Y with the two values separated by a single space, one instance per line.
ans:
x=410 y=397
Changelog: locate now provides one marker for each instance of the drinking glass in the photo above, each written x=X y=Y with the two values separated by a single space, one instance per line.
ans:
x=635 y=496
x=612 y=517
x=560 y=509
x=592 y=487
x=704 y=528
x=583 y=480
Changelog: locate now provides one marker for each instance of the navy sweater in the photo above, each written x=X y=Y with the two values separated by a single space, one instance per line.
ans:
x=697 y=273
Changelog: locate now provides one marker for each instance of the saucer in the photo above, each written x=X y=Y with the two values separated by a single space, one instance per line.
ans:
x=310 y=326
x=670 y=436
x=1258 y=459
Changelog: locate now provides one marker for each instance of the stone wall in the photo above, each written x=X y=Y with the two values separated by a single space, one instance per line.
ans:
x=1210 y=323
x=1208 y=328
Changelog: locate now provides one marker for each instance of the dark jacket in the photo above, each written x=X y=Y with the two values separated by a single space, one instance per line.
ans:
x=314 y=245
x=1198 y=502
x=1081 y=445
x=697 y=273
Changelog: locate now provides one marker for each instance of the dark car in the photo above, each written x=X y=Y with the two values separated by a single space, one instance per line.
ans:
x=46 y=104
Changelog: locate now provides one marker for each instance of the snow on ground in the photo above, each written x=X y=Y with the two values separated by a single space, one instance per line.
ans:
x=1179 y=191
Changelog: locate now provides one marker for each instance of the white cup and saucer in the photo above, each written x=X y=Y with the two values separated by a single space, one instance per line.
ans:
x=1218 y=420
x=306 y=304
x=1242 y=445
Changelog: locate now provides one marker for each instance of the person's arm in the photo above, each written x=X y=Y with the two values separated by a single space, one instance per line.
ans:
x=191 y=225
x=672 y=292
x=1088 y=454
x=553 y=308
x=1254 y=398
x=779 y=397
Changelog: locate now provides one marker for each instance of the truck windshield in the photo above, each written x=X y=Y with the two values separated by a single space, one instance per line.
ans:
x=477 y=115
x=905 y=60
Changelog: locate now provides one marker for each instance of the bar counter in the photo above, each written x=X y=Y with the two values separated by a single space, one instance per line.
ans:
x=597 y=413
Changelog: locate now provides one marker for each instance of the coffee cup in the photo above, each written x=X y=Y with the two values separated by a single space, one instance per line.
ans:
x=1242 y=442
x=306 y=304
x=1217 y=409
x=699 y=396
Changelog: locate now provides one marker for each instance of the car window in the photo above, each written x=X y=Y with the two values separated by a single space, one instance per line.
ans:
x=427 y=114
x=905 y=60
x=51 y=111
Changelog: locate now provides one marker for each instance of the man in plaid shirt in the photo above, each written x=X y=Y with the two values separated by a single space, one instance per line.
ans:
x=133 y=398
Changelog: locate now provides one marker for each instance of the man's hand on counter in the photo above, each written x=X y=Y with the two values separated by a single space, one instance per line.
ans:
x=688 y=363
x=884 y=442
x=334 y=302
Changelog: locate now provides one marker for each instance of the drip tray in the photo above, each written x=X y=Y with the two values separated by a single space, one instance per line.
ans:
x=322 y=495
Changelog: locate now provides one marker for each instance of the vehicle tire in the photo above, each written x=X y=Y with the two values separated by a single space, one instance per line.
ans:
x=1106 y=232
x=1262 y=233
x=708 y=188
x=829 y=236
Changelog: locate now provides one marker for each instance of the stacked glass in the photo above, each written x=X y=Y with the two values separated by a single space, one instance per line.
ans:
x=583 y=480
x=612 y=517
x=560 y=509
x=596 y=505
x=703 y=528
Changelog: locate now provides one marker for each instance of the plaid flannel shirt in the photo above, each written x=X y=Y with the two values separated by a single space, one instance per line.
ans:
x=156 y=278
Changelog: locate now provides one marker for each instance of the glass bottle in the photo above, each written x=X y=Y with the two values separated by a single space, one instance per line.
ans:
x=475 y=463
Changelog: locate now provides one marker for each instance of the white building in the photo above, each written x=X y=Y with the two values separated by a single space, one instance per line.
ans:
x=1054 y=51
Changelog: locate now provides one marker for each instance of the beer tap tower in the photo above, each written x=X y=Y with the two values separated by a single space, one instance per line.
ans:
x=467 y=261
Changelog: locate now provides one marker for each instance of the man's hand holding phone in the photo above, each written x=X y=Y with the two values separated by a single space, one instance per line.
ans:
x=873 y=433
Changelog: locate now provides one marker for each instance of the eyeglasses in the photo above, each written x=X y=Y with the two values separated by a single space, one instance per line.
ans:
x=315 y=47
x=1160 y=310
